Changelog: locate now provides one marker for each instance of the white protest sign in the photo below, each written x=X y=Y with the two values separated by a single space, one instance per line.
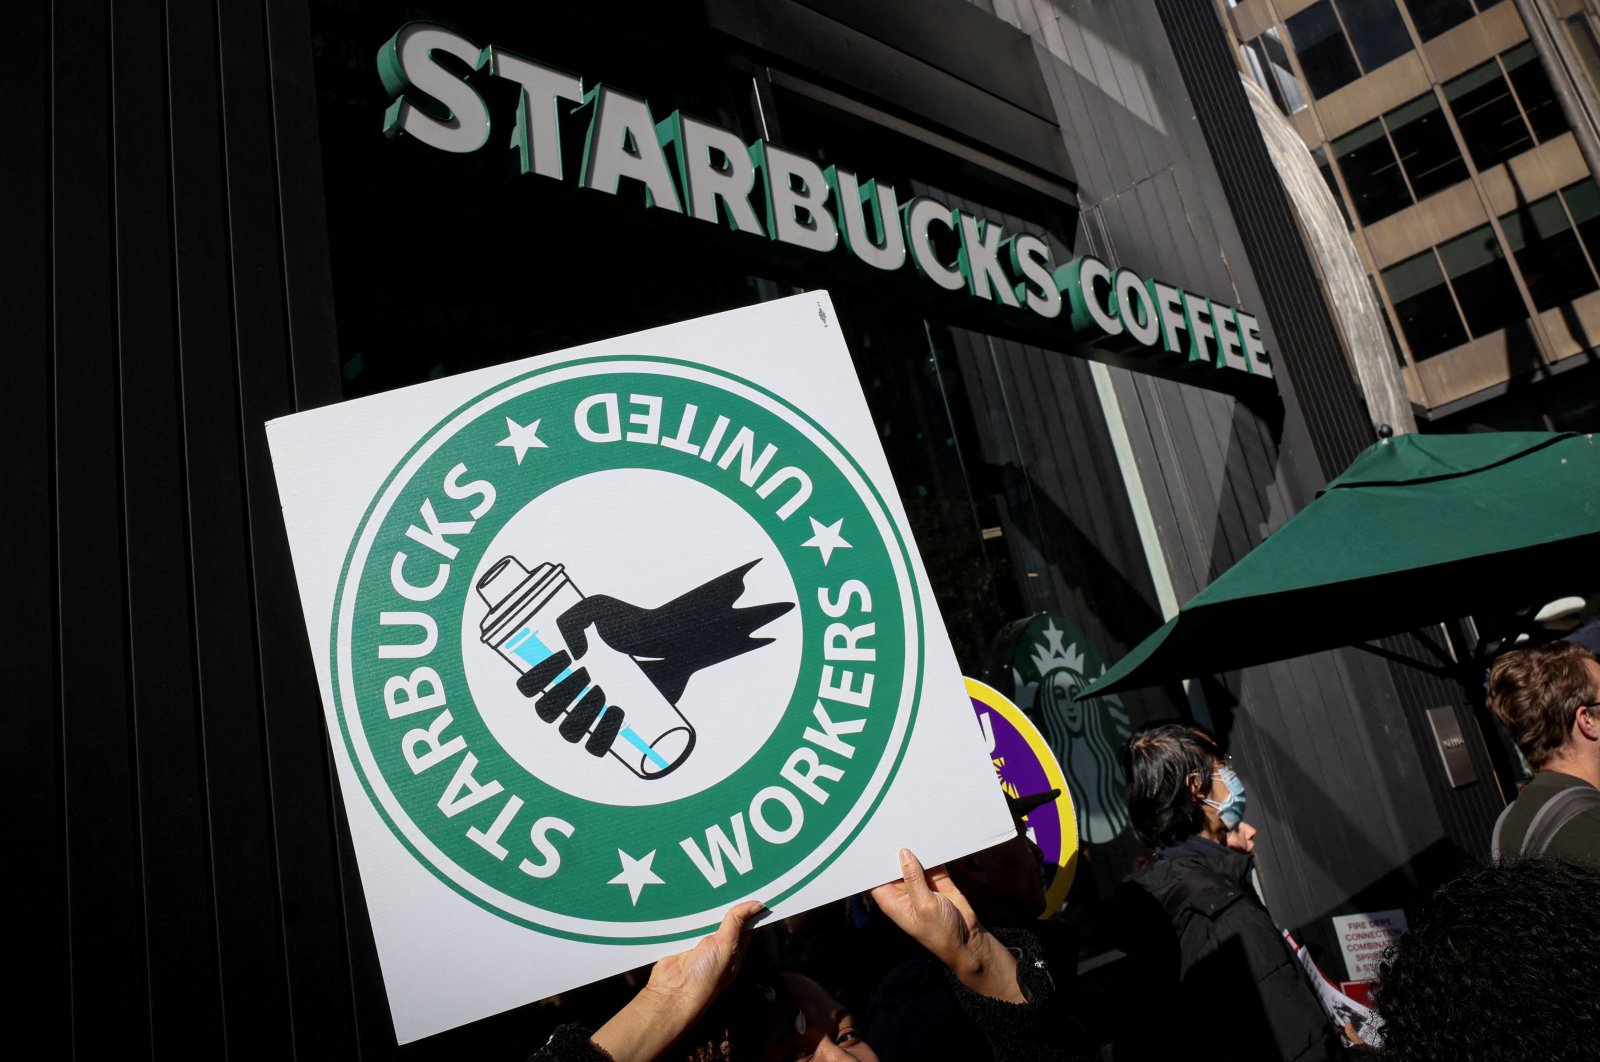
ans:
x=1363 y=937
x=614 y=638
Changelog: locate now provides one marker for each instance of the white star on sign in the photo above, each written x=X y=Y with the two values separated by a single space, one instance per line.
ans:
x=523 y=438
x=826 y=538
x=636 y=874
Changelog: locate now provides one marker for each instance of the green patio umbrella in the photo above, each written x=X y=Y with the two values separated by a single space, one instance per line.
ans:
x=1420 y=529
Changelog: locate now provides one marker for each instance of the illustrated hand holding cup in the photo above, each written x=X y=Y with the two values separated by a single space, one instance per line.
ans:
x=530 y=625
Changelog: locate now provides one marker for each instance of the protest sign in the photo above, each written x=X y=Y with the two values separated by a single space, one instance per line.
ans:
x=1025 y=766
x=1363 y=938
x=614 y=638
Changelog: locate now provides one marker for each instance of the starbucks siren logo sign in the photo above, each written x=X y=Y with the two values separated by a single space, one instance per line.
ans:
x=1054 y=660
x=623 y=640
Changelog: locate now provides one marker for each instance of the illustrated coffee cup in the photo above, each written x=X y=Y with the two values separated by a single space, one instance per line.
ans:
x=630 y=719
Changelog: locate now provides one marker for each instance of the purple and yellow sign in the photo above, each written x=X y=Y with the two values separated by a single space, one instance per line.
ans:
x=1025 y=765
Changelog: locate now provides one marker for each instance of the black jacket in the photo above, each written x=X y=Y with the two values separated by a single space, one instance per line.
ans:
x=1209 y=966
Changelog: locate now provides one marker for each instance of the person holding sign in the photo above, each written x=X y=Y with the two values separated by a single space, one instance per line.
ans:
x=1003 y=987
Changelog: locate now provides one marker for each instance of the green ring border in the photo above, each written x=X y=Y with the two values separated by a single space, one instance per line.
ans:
x=333 y=654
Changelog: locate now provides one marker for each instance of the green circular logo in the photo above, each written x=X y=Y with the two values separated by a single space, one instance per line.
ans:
x=622 y=641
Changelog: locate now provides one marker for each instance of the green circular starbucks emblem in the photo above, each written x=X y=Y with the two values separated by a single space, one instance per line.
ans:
x=624 y=640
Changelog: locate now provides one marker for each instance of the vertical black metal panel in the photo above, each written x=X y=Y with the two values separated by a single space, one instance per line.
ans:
x=104 y=860
x=185 y=1004
x=263 y=886
x=35 y=791
x=309 y=830
x=1311 y=364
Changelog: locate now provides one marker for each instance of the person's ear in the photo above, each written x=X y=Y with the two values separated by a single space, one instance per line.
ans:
x=1198 y=787
x=1587 y=722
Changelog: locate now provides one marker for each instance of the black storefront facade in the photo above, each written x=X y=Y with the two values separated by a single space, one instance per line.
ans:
x=212 y=229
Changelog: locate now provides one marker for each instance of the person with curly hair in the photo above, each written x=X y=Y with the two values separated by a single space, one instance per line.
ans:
x=1501 y=966
x=1548 y=699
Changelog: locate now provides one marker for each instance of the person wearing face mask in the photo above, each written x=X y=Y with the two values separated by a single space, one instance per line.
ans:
x=1196 y=933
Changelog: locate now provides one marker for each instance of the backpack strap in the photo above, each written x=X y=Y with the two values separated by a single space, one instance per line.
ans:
x=1495 y=854
x=1556 y=813
x=1547 y=822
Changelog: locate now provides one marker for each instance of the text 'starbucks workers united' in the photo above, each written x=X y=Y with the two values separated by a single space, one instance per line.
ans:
x=622 y=641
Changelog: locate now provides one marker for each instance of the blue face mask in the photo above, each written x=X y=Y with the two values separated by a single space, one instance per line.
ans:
x=1231 y=810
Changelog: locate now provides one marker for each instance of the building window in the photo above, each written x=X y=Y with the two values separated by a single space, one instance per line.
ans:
x=1376 y=31
x=1538 y=99
x=1482 y=281
x=1371 y=173
x=1542 y=240
x=1417 y=158
x=1492 y=123
x=1433 y=17
x=1268 y=62
x=1324 y=167
x=1325 y=55
x=1425 y=145
x=1428 y=316
x=1339 y=41
x=1583 y=202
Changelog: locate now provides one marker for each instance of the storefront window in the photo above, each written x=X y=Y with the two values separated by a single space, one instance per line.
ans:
x=1428 y=316
x=1482 y=281
x=1538 y=99
x=1371 y=172
x=1487 y=113
x=1324 y=53
x=1376 y=31
x=1426 y=147
x=1546 y=248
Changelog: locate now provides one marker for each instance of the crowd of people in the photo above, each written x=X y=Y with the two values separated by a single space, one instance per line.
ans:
x=953 y=962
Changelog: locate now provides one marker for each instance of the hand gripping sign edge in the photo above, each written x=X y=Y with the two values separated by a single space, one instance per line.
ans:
x=421 y=846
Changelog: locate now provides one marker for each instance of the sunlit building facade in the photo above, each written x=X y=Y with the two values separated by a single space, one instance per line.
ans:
x=1438 y=129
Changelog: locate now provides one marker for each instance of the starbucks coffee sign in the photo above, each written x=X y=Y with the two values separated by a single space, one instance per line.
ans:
x=620 y=637
x=684 y=165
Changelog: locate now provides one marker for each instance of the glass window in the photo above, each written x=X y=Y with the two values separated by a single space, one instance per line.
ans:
x=1388 y=325
x=1426 y=146
x=1541 y=239
x=1422 y=302
x=1583 y=200
x=1433 y=17
x=1268 y=63
x=1487 y=114
x=1277 y=57
x=1325 y=55
x=1324 y=167
x=1482 y=280
x=1538 y=99
x=1371 y=173
x=1376 y=31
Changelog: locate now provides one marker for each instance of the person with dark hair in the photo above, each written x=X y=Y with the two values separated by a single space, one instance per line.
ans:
x=1001 y=982
x=1199 y=939
x=1548 y=699
x=1499 y=967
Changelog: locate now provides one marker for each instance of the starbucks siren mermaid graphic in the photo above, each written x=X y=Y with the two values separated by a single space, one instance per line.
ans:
x=1053 y=661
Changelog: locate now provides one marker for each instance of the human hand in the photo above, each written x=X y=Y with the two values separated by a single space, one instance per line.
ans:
x=680 y=989
x=929 y=907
